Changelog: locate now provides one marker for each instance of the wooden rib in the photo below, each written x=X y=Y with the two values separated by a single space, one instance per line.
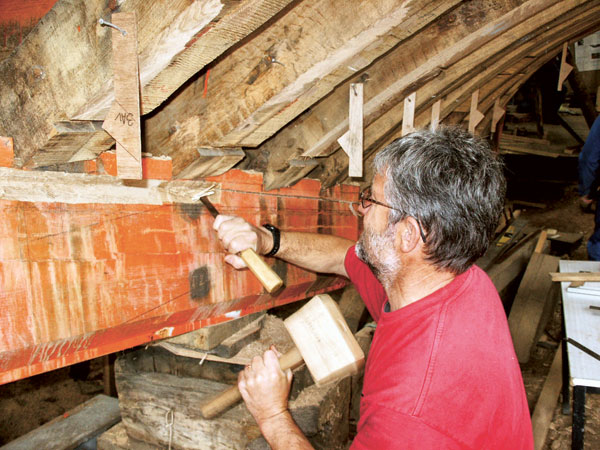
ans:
x=273 y=78
x=460 y=80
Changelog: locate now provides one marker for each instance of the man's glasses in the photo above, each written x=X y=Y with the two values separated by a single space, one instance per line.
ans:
x=366 y=200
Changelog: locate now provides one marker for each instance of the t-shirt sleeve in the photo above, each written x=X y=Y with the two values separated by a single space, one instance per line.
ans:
x=367 y=285
x=384 y=428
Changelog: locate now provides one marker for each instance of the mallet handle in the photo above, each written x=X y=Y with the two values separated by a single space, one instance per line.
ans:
x=231 y=396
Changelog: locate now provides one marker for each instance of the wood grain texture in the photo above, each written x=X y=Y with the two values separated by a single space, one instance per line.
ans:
x=262 y=95
x=123 y=119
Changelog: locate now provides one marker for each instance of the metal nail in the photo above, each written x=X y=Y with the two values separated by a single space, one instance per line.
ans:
x=112 y=25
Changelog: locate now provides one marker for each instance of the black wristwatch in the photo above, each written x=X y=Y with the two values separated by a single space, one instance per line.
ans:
x=276 y=238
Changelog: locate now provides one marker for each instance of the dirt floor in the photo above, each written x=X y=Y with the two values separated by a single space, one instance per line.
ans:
x=26 y=404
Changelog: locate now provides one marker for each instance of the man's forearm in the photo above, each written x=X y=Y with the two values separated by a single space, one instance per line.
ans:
x=317 y=252
x=281 y=432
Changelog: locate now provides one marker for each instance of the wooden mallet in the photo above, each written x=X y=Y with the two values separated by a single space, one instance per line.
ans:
x=323 y=341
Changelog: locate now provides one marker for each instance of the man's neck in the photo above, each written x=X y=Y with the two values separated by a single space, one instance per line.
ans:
x=415 y=283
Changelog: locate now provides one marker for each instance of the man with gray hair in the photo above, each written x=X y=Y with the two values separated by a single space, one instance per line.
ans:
x=441 y=371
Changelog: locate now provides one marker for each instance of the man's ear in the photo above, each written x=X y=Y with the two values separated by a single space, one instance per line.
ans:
x=408 y=237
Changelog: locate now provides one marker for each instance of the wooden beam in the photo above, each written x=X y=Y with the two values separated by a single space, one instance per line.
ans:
x=70 y=141
x=316 y=131
x=284 y=70
x=575 y=276
x=212 y=162
x=193 y=39
x=71 y=188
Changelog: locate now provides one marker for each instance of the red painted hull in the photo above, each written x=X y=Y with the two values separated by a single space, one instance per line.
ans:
x=81 y=281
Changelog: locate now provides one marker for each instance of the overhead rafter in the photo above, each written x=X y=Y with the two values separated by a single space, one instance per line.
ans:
x=260 y=87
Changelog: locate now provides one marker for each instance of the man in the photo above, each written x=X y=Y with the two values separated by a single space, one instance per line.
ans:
x=441 y=371
x=589 y=164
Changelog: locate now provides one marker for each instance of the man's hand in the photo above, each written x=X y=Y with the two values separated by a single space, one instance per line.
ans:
x=265 y=387
x=237 y=235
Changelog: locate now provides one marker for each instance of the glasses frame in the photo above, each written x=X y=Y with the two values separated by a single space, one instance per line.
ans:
x=366 y=201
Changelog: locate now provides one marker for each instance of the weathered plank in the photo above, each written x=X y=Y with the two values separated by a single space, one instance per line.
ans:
x=546 y=403
x=63 y=69
x=533 y=303
x=212 y=162
x=73 y=428
x=210 y=337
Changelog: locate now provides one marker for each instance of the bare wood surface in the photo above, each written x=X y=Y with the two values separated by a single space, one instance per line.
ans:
x=575 y=276
x=532 y=305
x=475 y=116
x=408 y=118
x=210 y=337
x=352 y=141
x=59 y=187
x=123 y=119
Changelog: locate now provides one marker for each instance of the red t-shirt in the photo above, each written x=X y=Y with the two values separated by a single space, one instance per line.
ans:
x=441 y=372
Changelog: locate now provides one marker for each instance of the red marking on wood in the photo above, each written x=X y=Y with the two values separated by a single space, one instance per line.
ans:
x=109 y=161
x=7 y=153
x=26 y=13
x=206 y=83
x=157 y=168
x=81 y=281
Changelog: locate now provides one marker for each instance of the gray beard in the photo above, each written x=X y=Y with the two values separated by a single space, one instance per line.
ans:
x=377 y=251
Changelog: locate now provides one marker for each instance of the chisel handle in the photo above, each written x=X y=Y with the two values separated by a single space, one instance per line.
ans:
x=231 y=396
x=267 y=277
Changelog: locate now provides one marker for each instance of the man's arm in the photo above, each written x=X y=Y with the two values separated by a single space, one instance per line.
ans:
x=317 y=252
x=265 y=389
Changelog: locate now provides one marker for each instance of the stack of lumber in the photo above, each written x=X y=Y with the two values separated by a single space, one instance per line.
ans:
x=510 y=143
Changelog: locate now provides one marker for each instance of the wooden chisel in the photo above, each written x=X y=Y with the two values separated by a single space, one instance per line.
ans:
x=267 y=277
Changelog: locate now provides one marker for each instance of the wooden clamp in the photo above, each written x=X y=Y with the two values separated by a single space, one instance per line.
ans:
x=352 y=141
x=497 y=114
x=475 y=116
x=565 y=68
x=435 y=115
x=123 y=120
x=408 y=117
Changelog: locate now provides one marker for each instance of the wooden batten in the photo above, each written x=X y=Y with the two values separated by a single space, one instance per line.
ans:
x=100 y=278
x=71 y=141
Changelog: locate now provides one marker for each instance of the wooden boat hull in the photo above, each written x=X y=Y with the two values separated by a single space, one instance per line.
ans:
x=84 y=280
